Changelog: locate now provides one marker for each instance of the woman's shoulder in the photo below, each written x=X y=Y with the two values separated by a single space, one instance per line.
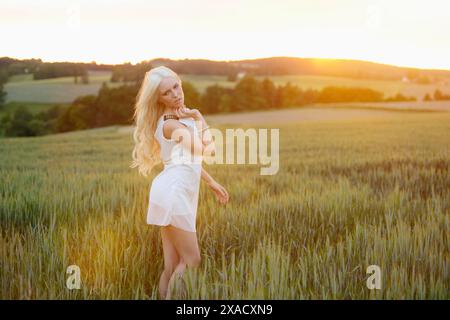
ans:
x=188 y=121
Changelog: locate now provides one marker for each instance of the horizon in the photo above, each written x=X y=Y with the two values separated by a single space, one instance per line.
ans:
x=218 y=60
x=409 y=34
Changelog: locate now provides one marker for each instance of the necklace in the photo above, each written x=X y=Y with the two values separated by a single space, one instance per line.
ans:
x=171 y=116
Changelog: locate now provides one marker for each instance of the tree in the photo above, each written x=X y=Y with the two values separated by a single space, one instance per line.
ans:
x=248 y=94
x=400 y=97
x=289 y=95
x=17 y=124
x=191 y=95
x=438 y=95
x=5 y=123
x=211 y=99
x=226 y=103
x=269 y=93
x=3 y=79
x=2 y=96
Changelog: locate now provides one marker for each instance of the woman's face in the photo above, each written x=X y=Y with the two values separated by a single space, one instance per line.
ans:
x=170 y=93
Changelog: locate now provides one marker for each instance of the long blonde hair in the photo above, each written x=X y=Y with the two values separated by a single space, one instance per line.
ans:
x=147 y=111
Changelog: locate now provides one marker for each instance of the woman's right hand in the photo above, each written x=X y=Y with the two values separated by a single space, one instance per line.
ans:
x=185 y=112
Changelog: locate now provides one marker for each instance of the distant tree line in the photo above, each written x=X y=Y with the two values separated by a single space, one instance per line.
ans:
x=257 y=67
x=130 y=73
x=278 y=66
x=61 y=69
x=11 y=67
x=438 y=96
x=114 y=106
x=47 y=70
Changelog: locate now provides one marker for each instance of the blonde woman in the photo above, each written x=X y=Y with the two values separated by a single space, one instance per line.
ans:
x=167 y=131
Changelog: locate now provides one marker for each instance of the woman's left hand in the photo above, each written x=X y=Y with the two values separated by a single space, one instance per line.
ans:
x=220 y=192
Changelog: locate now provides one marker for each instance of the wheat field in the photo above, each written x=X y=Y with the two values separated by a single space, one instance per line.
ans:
x=348 y=194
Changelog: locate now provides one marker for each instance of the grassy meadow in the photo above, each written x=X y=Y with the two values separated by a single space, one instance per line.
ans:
x=348 y=194
x=22 y=88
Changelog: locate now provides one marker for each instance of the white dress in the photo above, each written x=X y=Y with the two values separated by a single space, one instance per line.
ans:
x=173 y=196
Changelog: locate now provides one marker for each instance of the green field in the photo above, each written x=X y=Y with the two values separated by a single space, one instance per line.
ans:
x=349 y=194
x=64 y=90
x=56 y=90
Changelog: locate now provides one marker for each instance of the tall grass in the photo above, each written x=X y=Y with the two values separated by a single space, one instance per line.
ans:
x=348 y=194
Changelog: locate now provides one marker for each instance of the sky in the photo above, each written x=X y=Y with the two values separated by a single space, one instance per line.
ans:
x=404 y=33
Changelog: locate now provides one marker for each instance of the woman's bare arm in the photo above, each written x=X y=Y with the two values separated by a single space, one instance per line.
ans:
x=197 y=143
x=175 y=131
x=220 y=192
x=207 y=177
x=205 y=134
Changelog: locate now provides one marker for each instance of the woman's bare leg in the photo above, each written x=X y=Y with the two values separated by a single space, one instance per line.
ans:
x=171 y=260
x=186 y=245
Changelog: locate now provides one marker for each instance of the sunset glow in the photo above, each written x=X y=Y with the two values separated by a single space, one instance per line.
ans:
x=404 y=33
